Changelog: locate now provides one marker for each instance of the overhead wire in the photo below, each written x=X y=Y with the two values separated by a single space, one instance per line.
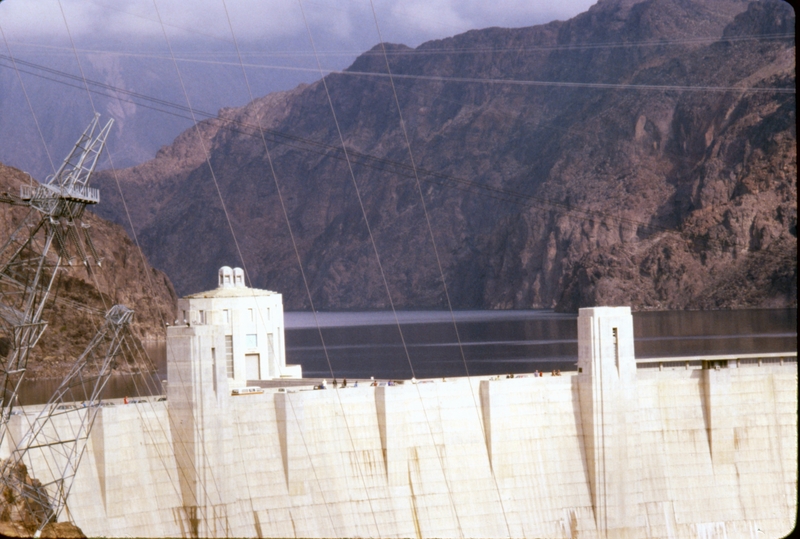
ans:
x=274 y=175
x=444 y=179
x=136 y=240
x=430 y=78
x=28 y=101
x=425 y=49
x=511 y=195
x=208 y=162
x=93 y=276
x=212 y=173
x=330 y=367
x=436 y=253
x=202 y=143
x=380 y=265
x=55 y=270
x=156 y=389
x=84 y=80
x=89 y=94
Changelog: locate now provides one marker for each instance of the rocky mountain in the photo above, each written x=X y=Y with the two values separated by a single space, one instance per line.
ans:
x=641 y=153
x=20 y=518
x=80 y=300
x=137 y=86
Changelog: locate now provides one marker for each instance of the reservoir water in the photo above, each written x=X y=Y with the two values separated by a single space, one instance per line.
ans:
x=425 y=344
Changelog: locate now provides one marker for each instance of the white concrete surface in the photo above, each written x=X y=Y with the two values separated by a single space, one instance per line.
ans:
x=611 y=451
x=249 y=325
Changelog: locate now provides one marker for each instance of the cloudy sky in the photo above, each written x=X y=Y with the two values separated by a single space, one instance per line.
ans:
x=123 y=45
x=337 y=25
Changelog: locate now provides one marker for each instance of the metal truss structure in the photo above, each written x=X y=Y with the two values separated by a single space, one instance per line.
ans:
x=47 y=238
x=29 y=263
x=58 y=434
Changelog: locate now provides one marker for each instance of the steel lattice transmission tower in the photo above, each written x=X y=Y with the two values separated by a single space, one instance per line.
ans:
x=29 y=262
x=50 y=235
x=58 y=434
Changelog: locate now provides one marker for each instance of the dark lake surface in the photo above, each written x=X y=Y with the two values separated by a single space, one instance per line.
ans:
x=425 y=344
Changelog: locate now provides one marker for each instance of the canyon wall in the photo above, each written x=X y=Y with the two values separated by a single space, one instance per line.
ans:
x=642 y=153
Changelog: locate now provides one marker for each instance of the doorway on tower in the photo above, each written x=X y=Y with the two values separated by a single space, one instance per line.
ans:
x=253 y=366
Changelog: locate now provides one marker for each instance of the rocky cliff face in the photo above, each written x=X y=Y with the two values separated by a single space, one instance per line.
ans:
x=642 y=153
x=79 y=300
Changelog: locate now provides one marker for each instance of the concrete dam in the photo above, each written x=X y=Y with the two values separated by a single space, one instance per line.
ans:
x=697 y=447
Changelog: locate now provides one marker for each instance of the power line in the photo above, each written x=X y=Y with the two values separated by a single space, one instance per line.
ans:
x=380 y=266
x=438 y=265
x=395 y=167
x=445 y=79
x=28 y=101
x=302 y=273
x=89 y=94
x=428 y=50
x=368 y=160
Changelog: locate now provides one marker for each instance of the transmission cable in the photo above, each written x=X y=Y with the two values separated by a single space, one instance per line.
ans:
x=438 y=259
x=378 y=260
x=302 y=273
x=445 y=180
x=114 y=171
x=56 y=268
x=28 y=101
x=92 y=274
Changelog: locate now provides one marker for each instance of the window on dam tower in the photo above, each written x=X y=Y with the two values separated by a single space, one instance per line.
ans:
x=229 y=355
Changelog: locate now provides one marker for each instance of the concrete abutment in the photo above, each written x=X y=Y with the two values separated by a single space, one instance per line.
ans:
x=609 y=451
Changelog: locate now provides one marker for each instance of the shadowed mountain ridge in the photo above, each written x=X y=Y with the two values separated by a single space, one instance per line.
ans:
x=640 y=153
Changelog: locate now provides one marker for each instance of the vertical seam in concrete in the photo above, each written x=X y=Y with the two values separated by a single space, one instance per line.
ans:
x=707 y=409
x=380 y=409
x=414 y=513
x=280 y=413
x=486 y=407
x=98 y=442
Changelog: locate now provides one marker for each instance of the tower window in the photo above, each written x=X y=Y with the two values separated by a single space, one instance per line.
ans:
x=229 y=355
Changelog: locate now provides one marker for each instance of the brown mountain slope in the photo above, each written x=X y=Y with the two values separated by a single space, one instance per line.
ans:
x=641 y=153
x=125 y=277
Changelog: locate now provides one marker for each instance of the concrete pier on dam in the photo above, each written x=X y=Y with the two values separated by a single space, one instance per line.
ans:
x=701 y=447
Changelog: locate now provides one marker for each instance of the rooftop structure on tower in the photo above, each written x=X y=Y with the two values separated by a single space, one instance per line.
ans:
x=237 y=329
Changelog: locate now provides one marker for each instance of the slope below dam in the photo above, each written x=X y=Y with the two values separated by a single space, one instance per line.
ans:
x=701 y=447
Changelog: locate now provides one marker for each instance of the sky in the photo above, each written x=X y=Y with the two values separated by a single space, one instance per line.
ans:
x=274 y=34
x=122 y=43
x=337 y=25
x=131 y=45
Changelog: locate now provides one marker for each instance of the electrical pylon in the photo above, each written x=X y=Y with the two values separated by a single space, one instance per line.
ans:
x=58 y=434
x=29 y=262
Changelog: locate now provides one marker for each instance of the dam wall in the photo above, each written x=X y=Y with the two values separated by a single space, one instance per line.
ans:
x=704 y=451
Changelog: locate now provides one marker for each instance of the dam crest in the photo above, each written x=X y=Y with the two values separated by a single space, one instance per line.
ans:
x=662 y=448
